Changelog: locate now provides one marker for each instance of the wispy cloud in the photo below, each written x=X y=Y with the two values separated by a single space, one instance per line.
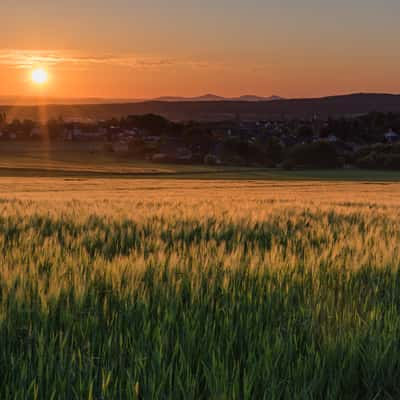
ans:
x=30 y=58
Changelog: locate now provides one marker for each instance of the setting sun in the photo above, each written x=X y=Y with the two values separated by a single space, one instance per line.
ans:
x=39 y=76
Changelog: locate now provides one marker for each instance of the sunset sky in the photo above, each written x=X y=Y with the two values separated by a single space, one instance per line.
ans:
x=143 y=49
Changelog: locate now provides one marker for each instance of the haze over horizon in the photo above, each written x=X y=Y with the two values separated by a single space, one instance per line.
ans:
x=248 y=98
x=137 y=50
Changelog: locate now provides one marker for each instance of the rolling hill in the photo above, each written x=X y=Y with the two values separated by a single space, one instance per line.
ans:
x=32 y=100
x=212 y=110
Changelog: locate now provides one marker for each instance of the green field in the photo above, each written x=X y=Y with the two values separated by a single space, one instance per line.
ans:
x=89 y=160
x=171 y=289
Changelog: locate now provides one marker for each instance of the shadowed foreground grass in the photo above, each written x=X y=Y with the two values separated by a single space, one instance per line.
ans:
x=229 y=293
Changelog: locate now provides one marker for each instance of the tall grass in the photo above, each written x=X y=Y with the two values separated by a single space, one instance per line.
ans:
x=235 y=293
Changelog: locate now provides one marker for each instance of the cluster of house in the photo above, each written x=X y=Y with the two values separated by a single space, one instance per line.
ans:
x=133 y=140
x=165 y=147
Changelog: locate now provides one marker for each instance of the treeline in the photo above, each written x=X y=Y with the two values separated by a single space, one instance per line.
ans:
x=326 y=155
x=367 y=128
x=378 y=156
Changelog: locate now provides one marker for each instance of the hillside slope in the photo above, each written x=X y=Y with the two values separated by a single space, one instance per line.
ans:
x=216 y=110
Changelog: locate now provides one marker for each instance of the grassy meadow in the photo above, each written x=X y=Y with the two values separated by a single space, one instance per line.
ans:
x=172 y=289
x=90 y=160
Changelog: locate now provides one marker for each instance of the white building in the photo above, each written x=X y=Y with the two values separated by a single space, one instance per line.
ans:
x=332 y=139
x=391 y=136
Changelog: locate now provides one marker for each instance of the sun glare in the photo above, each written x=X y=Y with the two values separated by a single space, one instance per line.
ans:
x=39 y=76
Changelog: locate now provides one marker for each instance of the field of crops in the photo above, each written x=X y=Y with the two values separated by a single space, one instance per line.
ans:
x=150 y=289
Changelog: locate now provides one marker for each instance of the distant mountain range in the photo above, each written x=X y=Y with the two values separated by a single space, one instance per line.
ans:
x=31 y=100
x=213 y=97
x=207 y=108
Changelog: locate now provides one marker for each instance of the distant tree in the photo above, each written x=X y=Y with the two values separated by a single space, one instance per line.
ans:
x=378 y=156
x=3 y=119
x=305 y=131
x=114 y=122
x=210 y=159
x=153 y=124
x=26 y=128
x=273 y=151
x=314 y=155
x=392 y=162
x=15 y=125
x=137 y=147
x=55 y=128
x=196 y=136
x=236 y=149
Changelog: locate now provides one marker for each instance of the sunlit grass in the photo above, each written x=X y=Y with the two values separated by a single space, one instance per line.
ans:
x=169 y=289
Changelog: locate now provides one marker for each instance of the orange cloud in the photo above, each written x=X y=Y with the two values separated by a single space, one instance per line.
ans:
x=29 y=58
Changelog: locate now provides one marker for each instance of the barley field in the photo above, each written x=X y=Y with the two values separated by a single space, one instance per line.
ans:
x=168 y=289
